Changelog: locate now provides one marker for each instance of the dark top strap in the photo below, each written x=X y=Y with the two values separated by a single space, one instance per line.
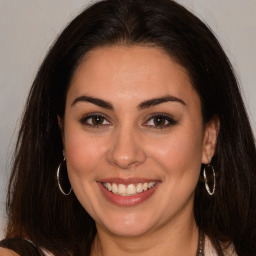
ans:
x=20 y=246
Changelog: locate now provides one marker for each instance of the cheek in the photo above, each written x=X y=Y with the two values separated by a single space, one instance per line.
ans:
x=180 y=159
x=180 y=152
x=83 y=153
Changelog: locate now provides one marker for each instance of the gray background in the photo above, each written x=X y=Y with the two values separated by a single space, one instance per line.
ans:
x=28 y=27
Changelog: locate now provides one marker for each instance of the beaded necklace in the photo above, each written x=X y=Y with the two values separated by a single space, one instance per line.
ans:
x=200 y=248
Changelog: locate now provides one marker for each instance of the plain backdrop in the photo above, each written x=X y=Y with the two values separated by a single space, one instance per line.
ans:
x=28 y=27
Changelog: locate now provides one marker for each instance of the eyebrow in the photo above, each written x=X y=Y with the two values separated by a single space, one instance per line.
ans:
x=141 y=106
x=95 y=101
x=157 y=101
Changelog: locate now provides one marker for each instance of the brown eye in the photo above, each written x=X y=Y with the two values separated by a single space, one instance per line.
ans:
x=97 y=120
x=159 y=121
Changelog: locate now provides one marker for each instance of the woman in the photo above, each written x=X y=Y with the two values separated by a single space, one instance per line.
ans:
x=138 y=100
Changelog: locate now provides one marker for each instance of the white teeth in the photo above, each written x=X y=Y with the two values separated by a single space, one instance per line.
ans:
x=131 y=190
x=114 y=188
x=128 y=190
x=139 y=188
x=109 y=187
x=121 y=189
x=145 y=186
x=151 y=184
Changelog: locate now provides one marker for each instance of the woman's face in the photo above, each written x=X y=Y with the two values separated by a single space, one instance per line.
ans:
x=134 y=139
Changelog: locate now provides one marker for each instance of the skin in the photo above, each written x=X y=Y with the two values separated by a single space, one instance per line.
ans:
x=7 y=252
x=129 y=143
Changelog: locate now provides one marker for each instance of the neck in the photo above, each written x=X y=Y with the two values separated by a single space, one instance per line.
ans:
x=180 y=238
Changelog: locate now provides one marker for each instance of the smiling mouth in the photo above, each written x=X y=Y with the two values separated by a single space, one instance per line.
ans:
x=128 y=190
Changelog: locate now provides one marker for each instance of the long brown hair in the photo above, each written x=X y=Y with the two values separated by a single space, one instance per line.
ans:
x=36 y=208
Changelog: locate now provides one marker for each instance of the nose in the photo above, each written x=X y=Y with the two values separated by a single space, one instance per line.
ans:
x=126 y=150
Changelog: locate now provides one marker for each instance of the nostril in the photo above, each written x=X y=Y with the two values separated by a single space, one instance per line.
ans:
x=125 y=150
x=126 y=159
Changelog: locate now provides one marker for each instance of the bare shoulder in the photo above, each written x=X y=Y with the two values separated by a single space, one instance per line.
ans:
x=7 y=252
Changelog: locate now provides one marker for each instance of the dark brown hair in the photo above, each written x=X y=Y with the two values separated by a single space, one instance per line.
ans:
x=36 y=208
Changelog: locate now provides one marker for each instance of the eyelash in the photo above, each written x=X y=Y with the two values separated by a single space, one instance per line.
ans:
x=84 y=120
x=168 y=120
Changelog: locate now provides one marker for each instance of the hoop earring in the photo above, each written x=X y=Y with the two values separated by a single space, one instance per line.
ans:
x=67 y=181
x=206 y=180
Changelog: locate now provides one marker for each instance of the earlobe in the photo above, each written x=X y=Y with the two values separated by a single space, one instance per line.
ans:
x=210 y=139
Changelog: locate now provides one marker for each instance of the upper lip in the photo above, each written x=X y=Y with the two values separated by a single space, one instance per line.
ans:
x=127 y=181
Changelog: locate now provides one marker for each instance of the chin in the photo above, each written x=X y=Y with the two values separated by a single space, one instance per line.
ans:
x=129 y=225
x=128 y=230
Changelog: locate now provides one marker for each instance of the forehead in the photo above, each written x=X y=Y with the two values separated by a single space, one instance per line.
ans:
x=123 y=72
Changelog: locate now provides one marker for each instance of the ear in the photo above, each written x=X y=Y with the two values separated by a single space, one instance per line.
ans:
x=210 y=139
x=60 y=123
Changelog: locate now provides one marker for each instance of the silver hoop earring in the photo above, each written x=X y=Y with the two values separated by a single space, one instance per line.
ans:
x=206 y=180
x=64 y=180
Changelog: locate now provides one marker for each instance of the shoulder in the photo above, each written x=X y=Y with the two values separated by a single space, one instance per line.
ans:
x=7 y=252
x=17 y=246
x=210 y=250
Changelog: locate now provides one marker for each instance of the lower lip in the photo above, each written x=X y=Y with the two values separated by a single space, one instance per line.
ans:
x=127 y=200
